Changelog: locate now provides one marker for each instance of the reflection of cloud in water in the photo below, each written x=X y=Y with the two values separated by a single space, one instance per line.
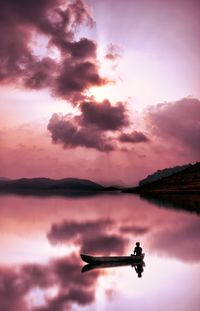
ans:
x=122 y=217
x=91 y=236
x=136 y=230
x=179 y=240
x=91 y=223
x=19 y=284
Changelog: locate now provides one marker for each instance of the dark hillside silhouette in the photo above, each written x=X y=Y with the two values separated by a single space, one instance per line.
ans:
x=162 y=173
x=187 y=181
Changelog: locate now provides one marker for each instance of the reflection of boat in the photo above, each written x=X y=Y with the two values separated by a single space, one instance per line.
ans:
x=90 y=266
x=112 y=259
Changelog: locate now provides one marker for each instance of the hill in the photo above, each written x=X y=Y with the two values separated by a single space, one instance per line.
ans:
x=49 y=186
x=163 y=173
x=185 y=181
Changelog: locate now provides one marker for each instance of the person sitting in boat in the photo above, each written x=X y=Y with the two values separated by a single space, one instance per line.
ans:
x=137 y=249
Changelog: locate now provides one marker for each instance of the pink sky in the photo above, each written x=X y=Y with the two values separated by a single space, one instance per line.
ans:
x=104 y=90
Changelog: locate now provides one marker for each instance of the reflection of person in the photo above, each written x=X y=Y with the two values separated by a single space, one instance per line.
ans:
x=139 y=269
x=137 y=249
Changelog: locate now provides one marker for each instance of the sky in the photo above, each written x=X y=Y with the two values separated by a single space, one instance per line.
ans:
x=103 y=90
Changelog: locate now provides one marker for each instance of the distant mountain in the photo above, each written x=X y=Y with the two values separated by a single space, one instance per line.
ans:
x=115 y=183
x=34 y=185
x=184 y=181
x=4 y=178
x=163 y=173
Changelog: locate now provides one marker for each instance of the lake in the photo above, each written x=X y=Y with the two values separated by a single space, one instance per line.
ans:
x=41 y=240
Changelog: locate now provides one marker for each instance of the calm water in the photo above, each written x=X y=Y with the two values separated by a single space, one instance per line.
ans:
x=41 y=239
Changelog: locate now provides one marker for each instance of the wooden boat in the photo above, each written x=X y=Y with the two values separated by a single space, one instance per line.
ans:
x=111 y=259
x=95 y=266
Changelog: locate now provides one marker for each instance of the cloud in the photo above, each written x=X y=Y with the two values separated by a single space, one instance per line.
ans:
x=19 y=19
x=92 y=236
x=133 y=137
x=75 y=78
x=177 y=123
x=71 y=135
x=92 y=127
x=104 y=115
x=68 y=75
x=84 y=48
x=17 y=284
x=113 y=52
x=40 y=75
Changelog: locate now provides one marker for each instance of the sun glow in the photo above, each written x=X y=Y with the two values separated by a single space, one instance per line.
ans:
x=101 y=93
x=141 y=78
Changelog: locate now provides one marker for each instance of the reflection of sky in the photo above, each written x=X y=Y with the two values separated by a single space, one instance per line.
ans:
x=45 y=237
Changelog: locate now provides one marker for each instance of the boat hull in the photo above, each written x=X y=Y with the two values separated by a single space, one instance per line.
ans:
x=111 y=259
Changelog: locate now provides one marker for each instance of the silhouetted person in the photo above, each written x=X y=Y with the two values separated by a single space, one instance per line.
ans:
x=139 y=269
x=137 y=249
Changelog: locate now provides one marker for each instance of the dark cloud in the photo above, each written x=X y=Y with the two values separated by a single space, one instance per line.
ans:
x=91 y=127
x=40 y=75
x=71 y=135
x=104 y=115
x=134 y=137
x=92 y=236
x=75 y=78
x=84 y=48
x=177 y=123
x=73 y=287
x=17 y=21
x=68 y=76
x=45 y=16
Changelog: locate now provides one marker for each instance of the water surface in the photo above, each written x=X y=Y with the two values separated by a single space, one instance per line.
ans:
x=41 y=239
